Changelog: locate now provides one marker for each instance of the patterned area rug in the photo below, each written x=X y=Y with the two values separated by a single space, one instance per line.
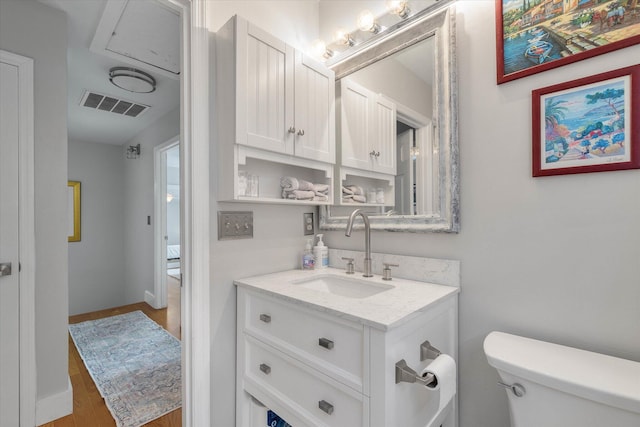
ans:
x=135 y=364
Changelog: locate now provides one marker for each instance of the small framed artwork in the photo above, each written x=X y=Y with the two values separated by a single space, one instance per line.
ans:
x=588 y=125
x=534 y=36
x=73 y=200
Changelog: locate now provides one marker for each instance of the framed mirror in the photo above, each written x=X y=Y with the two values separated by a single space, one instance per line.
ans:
x=411 y=71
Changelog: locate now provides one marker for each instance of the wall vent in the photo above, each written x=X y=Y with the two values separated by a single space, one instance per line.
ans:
x=99 y=101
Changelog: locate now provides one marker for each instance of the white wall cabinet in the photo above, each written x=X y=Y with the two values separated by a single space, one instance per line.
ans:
x=316 y=369
x=367 y=127
x=275 y=113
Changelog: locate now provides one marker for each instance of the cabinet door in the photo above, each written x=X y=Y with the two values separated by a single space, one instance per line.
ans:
x=355 y=115
x=314 y=110
x=265 y=67
x=383 y=139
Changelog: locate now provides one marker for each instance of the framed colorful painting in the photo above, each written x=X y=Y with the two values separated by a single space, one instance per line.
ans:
x=537 y=35
x=588 y=125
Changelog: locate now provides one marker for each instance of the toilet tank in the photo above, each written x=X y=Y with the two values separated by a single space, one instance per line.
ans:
x=565 y=386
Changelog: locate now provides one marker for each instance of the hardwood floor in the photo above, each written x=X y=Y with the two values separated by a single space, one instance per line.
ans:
x=89 y=409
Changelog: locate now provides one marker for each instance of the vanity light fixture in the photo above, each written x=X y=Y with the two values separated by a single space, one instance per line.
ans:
x=367 y=22
x=132 y=80
x=133 y=151
x=399 y=7
x=342 y=37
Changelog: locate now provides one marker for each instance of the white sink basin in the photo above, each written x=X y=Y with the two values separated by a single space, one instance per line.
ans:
x=349 y=287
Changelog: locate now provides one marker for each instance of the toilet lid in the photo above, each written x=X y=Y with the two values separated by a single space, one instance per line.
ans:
x=599 y=377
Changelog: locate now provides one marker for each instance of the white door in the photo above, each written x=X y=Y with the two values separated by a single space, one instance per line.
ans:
x=355 y=116
x=383 y=139
x=9 y=281
x=314 y=110
x=264 y=91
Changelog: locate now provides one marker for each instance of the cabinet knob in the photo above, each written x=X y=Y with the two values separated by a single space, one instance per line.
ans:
x=325 y=407
x=326 y=343
x=292 y=129
x=265 y=318
x=301 y=132
x=266 y=369
x=374 y=153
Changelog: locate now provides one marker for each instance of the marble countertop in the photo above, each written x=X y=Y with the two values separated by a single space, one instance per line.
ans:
x=384 y=310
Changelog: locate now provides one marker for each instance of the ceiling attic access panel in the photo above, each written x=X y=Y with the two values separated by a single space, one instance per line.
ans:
x=142 y=33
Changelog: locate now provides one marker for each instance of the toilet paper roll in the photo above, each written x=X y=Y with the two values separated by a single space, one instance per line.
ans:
x=443 y=368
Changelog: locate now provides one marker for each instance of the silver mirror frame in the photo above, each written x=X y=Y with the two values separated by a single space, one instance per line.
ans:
x=437 y=21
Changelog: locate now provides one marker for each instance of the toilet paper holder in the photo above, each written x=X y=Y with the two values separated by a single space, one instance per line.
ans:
x=405 y=374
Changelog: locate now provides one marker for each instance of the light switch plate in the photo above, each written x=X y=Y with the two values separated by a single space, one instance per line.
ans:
x=309 y=226
x=235 y=225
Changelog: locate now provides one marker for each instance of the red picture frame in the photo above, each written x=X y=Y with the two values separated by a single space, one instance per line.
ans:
x=586 y=125
x=547 y=36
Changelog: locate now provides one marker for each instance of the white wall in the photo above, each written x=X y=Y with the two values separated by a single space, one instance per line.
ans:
x=552 y=258
x=96 y=263
x=278 y=240
x=138 y=193
x=37 y=31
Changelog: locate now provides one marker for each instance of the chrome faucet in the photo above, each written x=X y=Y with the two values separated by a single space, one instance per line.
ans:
x=367 y=238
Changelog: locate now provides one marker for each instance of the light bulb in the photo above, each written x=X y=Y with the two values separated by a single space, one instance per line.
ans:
x=169 y=197
x=319 y=50
x=398 y=7
x=367 y=22
x=341 y=36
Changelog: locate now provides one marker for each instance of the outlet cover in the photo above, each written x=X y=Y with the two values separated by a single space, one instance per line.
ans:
x=235 y=225
x=309 y=225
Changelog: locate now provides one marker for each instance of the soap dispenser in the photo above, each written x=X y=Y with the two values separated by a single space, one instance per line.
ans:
x=321 y=253
x=308 y=260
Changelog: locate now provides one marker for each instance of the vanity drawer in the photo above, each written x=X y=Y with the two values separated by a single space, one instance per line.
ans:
x=331 y=345
x=309 y=395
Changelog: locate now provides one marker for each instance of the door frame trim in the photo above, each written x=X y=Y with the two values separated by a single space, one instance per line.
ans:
x=160 y=214
x=194 y=214
x=26 y=239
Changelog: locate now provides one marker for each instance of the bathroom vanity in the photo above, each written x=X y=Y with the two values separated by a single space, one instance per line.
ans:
x=319 y=348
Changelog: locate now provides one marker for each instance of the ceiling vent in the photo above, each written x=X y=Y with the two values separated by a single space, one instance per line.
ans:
x=98 y=101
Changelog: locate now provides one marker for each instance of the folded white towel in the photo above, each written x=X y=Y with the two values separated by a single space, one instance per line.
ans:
x=292 y=183
x=352 y=189
x=321 y=198
x=321 y=188
x=354 y=198
x=298 y=194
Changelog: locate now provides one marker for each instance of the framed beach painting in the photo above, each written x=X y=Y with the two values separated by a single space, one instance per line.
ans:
x=588 y=125
x=537 y=35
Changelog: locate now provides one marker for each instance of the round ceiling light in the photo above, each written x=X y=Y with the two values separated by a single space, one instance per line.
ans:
x=132 y=80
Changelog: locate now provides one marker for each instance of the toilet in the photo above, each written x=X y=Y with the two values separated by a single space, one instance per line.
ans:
x=550 y=385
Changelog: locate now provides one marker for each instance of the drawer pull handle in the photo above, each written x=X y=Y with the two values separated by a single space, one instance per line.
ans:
x=266 y=369
x=265 y=318
x=325 y=407
x=323 y=342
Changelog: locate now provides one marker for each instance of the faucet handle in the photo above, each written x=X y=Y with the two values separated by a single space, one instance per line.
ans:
x=350 y=267
x=386 y=271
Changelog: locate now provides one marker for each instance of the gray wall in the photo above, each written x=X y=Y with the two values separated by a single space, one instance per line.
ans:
x=138 y=178
x=552 y=258
x=37 y=31
x=96 y=263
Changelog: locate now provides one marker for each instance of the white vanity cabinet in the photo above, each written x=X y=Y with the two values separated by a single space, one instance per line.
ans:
x=317 y=367
x=275 y=113
x=367 y=129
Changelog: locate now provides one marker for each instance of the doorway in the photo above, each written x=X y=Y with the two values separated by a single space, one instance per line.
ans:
x=167 y=246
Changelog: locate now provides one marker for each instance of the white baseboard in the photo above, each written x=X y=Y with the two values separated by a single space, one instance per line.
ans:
x=55 y=406
x=150 y=299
